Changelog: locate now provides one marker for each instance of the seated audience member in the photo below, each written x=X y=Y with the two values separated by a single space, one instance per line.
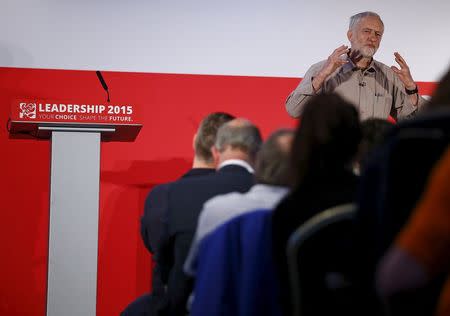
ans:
x=271 y=175
x=156 y=206
x=373 y=131
x=441 y=95
x=234 y=152
x=324 y=147
x=421 y=251
x=235 y=272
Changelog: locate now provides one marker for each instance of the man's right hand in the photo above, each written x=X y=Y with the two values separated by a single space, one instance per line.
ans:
x=333 y=62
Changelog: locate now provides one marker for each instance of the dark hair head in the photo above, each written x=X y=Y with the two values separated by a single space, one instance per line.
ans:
x=373 y=131
x=207 y=132
x=441 y=96
x=327 y=137
x=272 y=162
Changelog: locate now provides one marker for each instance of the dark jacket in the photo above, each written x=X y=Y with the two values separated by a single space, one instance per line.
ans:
x=151 y=225
x=185 y=201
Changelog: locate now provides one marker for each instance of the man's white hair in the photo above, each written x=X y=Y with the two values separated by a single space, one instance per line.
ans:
x=355 y=19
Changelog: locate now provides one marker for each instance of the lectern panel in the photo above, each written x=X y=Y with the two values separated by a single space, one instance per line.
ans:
x=73 y=237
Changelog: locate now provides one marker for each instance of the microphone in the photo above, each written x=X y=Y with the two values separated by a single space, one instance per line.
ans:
x=103 y=83
x=362 y=84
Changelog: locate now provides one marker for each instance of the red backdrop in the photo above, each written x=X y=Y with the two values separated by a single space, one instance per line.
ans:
x=171 y=106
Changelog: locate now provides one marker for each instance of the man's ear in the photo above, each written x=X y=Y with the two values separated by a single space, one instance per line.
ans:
x=194 y=139
x=216 y=155
x=350 y=35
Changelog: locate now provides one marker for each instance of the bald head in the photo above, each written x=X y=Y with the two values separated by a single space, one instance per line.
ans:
x=240 y=135
x=239 y=122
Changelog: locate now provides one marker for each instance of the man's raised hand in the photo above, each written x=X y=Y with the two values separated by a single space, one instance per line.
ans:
x=334 y=61
x=403 y=73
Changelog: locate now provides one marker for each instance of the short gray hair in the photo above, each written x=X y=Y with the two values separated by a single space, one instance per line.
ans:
x=355 y=19
x=273 y=160
x=239 y=134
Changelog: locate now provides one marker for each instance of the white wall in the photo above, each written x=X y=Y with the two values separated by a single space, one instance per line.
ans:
x=230 y=37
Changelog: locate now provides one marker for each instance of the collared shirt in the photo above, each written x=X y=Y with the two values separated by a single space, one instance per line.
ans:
x=222 y=208
x=238 y=162
x=376 y=91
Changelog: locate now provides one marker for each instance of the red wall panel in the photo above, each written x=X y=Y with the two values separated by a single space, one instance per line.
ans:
x=171 y=106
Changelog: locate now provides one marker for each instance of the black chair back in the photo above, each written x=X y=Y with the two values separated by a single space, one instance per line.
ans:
x=392 y=184
x=321 y=262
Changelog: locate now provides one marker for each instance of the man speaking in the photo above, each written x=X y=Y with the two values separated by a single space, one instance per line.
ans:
x=374 y=88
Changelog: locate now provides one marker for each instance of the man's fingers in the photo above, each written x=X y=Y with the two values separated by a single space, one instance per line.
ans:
x=400 y=62
x=395 y=69
x=399 y=59
x=340 y=50
x=402 y=65
x=397 y=55
x=357 y=56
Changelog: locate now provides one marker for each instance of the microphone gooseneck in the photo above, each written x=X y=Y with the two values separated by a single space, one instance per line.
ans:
x=103 y=83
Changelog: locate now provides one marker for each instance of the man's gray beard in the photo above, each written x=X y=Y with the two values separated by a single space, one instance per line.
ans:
x=367 y=52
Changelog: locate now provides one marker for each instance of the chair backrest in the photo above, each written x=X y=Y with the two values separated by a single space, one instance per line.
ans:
x=324 y=233
x=392 y=184
x=405 y=179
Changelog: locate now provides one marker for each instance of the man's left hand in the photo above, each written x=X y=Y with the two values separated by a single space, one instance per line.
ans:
x=403 y=73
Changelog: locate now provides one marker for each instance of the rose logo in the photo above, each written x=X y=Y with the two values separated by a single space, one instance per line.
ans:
x=27 y=110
